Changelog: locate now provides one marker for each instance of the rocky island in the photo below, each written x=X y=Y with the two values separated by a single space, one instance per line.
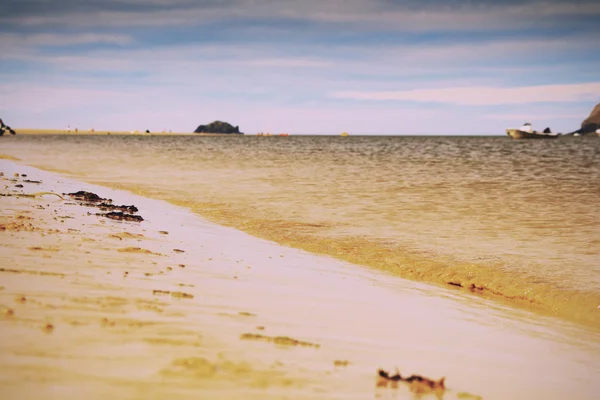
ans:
x=590 y=124
x=218 y=127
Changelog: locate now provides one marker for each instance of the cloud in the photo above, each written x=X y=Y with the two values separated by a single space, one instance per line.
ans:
x=54 y=39
x=286 y=63
x=483 y=95
x=23 y=45
x=532 y=117
x=400 y=16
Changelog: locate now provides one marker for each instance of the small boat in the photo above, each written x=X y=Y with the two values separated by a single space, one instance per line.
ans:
x=527 y=132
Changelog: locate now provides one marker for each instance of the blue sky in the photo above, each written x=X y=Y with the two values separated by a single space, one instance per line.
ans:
x=304 y=67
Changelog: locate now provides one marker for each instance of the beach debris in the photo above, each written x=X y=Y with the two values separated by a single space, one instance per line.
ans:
x=260 y=328
x=163 y=232
x=418 y=384
x=118 y=213
x=19 y=186
x=182 y=295
x=246 y=314
x=40 y=248
x=107 y=322
x=472 y=287
x=112 y=207
x=30 y=181
x=136 y=250
x=126 y=235
x=36 y=194
x=21 y=299
x=9 y=312
x=88 y=196
x=48 y=328
x=341 y=363
x=279 y=340
x=177 y=295
x=178 y=251
x=121 y=216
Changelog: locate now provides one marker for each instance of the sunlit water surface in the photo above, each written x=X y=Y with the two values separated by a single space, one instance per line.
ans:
x=513 y=220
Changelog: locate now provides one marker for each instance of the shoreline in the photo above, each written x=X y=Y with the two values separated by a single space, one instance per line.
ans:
x=195 y=343
x=570 y=304
x=480 y=276
x=88 y=132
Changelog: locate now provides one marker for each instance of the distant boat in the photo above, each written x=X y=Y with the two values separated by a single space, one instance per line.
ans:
x=344 y=134
x=527 y=132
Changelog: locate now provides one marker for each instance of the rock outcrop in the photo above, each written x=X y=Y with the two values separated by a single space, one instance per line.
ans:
x=591 y=123
x=218 y=127
x=6 y=128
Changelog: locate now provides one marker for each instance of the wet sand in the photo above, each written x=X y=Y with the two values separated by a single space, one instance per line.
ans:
x=178 y=306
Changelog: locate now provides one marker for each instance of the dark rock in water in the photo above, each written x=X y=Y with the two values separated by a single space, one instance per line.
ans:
x=547 y=130
x=4 y=128
x=218 y=127
x=120 y=216
x=88 y=196
x=112 y=207
x=591 y=123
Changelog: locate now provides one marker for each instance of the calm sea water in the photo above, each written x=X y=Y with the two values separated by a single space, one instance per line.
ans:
x=514 y=220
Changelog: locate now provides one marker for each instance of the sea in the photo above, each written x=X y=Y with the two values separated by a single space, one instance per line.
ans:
x=512 y=221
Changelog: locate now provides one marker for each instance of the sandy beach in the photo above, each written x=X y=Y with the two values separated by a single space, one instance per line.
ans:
x=178 y=306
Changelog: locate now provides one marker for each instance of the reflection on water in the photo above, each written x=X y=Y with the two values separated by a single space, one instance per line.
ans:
x=514 y=219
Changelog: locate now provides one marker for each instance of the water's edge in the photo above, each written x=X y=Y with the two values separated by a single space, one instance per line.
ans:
x=571 y=305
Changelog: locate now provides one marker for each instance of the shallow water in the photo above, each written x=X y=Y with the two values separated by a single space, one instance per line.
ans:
x=517 y=219
x=362 y=315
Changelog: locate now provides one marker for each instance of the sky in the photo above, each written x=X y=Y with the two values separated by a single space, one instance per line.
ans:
x=449 y=67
